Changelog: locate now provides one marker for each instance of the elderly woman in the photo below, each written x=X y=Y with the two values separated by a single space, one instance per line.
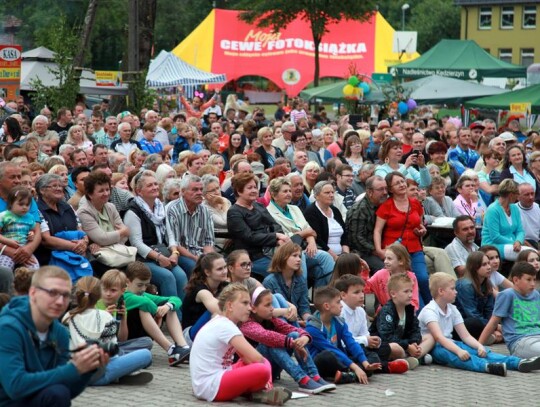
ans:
x=502 y=223
x=309 y=176
x=164 y=172
x=267 y=151
x=217 y=205
x=59 y=216
x=468 y=202
x=40 y=126
x=145 y=219
x=62 y=172
x=76 y=136
x=489 y=177
x=171 y=190
x=317 y=146
x=211 y=143
x=250 y=225
x=327 y=221
x=391 y=153
x=437 y=204
x=316 y=263
x=99 y=218
x=399 y=219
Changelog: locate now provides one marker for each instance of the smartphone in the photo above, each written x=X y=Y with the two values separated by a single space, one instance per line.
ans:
x=119 y=305
x=416 y=152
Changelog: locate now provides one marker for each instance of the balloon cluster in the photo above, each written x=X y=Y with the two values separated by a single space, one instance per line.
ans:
x=405 y=107
x=354 y=89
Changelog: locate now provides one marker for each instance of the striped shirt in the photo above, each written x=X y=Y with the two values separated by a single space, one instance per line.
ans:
x=106 y=140
x=191 y=231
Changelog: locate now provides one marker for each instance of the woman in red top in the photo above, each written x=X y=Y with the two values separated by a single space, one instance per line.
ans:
x=399 y=219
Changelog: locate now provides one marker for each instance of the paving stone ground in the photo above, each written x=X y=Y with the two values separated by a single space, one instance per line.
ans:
x=425 y=386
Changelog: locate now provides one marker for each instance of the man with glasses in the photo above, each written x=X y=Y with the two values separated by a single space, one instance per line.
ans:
x=34 y=347
x=360 y=222
x=344 y=180
x=407 y=128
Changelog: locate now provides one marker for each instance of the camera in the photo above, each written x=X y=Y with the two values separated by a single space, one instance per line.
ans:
x=109 y=348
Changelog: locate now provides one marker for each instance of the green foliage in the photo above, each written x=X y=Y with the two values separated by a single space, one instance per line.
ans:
x=142 y=95
x=64 y=41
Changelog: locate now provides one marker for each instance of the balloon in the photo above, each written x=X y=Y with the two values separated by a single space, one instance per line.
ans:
x=411 y=104
x=403 y=108
x=357 y=92
x=365 y=87
x=353 y=80
x=348 y=90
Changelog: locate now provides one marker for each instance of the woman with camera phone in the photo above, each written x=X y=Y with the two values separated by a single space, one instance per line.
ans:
x=88 y=325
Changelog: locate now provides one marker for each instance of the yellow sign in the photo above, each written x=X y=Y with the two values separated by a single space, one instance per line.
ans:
x=109 y=78
x=520 y=108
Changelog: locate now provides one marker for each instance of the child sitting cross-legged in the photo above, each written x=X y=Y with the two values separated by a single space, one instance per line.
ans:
x=147 y=311
x=113 y=285
x=518 y=310
x=333 y=349
x=86 y=323
x=440 y=317
x=397 y=324
x=277 y=340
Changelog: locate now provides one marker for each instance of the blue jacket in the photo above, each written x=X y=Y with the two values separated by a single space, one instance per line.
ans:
x=297 y=294
x=29 y=366
x=347 y=350
x=497 y=231
x=470 y=304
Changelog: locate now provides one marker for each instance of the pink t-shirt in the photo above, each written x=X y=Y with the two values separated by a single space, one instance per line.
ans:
x=378 y=285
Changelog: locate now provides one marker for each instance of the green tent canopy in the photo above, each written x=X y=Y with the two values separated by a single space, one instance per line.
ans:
x=530 y=95
x=334 y=93
x=460 y=59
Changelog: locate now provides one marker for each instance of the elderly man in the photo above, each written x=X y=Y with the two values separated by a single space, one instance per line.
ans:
x=125 y=144
x=111 y=132
x=360 y=222
x=359 y=184
x=45 y=136
x=153 y=161
x=300 y=160
x=284 y=142
x=463 y=244
x=65 y=151
x=490 y=128
x=530 y=214
x=161 y=134
x=190 y=229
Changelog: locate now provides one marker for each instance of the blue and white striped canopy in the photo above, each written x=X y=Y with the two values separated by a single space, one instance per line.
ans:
x=167 y=70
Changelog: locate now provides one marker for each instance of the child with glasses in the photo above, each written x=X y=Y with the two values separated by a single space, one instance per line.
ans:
x=18 y=227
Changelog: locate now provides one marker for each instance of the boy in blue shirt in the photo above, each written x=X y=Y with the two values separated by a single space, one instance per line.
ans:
x=518 y=310
x=332 y=347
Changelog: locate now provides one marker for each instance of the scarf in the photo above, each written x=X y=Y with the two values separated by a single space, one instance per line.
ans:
x=157 y=216
x=444 y=169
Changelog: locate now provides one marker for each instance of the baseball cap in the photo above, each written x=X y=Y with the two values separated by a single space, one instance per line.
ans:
x=507 y=136
x=477 y=125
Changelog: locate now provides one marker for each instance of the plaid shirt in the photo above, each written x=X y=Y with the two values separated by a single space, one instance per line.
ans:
x=360 y=224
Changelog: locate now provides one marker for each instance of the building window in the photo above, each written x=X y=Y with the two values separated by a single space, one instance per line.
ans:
x=485 y=18
x=505 y=54
x=507 y=17
x=529 y=16
x=527 y=56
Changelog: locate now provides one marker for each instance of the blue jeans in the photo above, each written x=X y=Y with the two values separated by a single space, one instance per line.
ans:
x=419 y=268
x=169 y=282
x=442 y=356
x=131 y=345
x=279 y=301
x=187 y=264
x=260 y=266
x=53 y=395
x=282 y=358
x=120 y=366
x=319 y=267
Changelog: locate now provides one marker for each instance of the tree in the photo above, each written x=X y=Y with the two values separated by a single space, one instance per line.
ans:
x=278 y=14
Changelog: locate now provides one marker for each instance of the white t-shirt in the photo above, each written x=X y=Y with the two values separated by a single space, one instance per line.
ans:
x=211 y=356
x=433 y=313
x=496 y=278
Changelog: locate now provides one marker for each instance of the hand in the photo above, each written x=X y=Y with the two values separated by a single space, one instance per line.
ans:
x=94 y=248
x=30 y=236
x=414 y=350
x=111 y=309
x=11 y=243
x=372 y=366
x=411 y=160
x=311 y=249
x=22 y=255
x=463 y=355
x=362 y=377
x=162 y=310
x=164 y=261
x=180 y=89
x=373 y=342
x=89 y=359
x=292 y=315
x=301 y=353
x=421 y=160
x=281 y=236
x=381 y=254
x=331 y=253
x=420 y=230
x=123 y=230
x=80 y=246
x=517 y=246
x=481 y=351
x=299 y=343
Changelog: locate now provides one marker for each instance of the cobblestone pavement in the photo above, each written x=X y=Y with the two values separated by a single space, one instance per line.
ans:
x=425 y=386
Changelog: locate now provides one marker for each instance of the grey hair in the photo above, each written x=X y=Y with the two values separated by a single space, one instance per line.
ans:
x=371 y=180
x=65 y=147
x=170 y=183
x=288 y=127
x=45 y=180
x=289 y=177
x=188 y=179
x=151 y=160
x=138 y=179
x=492 y=141
x=148 y=113
x=367 y=166
x=207 y=179
x=124 y=124
x=40 y=117
x=317 y=189
x=4 y=166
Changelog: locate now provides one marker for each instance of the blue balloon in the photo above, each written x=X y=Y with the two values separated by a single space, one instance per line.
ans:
x=403 y=108
x=365 y=88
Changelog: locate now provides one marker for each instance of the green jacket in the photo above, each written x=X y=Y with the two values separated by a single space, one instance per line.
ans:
x=148 y=302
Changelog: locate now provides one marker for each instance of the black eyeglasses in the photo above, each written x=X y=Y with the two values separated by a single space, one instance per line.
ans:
x=55 y=294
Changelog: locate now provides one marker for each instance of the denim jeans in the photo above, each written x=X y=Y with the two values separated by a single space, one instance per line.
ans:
x=120 y=366
x=131 y=345
x=57 y=395
x=282 y=358
x=319 y=267
x=187 y=264
x=419 y=268
x=442 y=356
x=279 y=301
x=260 y=266
x=169 y=282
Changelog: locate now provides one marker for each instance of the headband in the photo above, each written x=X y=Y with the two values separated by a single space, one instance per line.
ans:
x=256 y=294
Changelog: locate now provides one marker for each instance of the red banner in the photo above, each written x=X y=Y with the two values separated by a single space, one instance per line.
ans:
x=10 y=71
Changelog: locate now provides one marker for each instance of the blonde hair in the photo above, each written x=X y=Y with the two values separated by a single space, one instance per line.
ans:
x=114 y=278
x=231 y=293
x=49 y=272
x=439 y=281
x=402 y=254
x=397 y=280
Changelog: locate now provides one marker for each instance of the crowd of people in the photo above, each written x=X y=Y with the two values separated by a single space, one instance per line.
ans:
x=217 y=222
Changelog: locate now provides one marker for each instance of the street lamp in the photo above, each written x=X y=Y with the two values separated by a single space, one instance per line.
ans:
x=403 y=9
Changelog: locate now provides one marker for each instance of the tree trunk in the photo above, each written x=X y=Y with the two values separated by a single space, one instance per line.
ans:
x=89 y=19
x=147 y=22
x=316 y=42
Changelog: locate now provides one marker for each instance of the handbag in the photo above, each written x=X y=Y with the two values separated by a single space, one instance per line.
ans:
x=76 y=265
x=116 y=255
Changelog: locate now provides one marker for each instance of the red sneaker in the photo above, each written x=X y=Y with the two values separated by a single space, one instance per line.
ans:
x=398 y=366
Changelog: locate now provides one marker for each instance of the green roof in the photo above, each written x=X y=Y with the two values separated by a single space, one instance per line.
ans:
x=530 y=95
x=460 y=59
